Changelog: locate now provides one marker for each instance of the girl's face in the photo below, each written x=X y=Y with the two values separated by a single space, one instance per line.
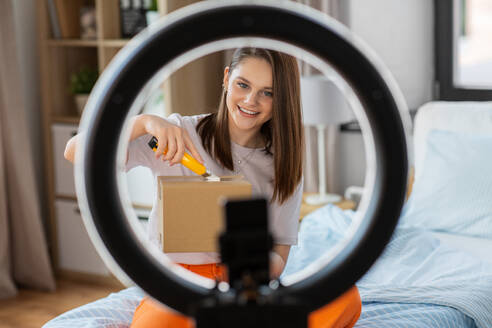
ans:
x=249 y=95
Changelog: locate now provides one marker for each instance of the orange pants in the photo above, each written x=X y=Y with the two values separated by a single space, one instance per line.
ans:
x=343 y=312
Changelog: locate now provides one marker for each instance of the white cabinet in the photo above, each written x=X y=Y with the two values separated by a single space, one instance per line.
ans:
x=75 y=250
x=64 y=178
x=140 y=183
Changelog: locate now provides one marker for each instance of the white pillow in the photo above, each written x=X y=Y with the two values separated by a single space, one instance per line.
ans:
x=458 y=116
x=452 y=191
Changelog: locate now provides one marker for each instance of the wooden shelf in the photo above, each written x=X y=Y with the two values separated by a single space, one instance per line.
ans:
x=72 y=43
x=60 y=58
x=116 y=43
x=66 y=119
x=66 y=197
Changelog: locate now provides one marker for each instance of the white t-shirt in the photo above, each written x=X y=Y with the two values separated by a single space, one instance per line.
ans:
x=254 y=164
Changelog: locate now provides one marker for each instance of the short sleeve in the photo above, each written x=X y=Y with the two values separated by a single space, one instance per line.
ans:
x=139 y=153
x=175 y=118
x=285 y=218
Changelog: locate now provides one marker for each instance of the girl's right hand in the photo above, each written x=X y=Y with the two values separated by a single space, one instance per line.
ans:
x=172 y=140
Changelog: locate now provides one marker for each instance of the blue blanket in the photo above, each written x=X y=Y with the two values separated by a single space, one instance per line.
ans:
x=415 y=267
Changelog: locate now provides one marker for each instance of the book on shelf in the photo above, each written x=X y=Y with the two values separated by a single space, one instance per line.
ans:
x=133 y=14
x=65 y=18
x=69 y=17
x=55 y=24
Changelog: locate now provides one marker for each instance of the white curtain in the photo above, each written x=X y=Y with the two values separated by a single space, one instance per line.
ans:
x=311 y=182
x=24 y=259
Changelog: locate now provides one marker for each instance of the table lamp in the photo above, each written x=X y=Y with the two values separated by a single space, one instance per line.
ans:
x=323 y=104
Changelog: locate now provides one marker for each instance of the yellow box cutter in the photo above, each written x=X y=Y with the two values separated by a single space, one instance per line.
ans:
x=189 y=162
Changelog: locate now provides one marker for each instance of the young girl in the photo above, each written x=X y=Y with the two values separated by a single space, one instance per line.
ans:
x=257 y=132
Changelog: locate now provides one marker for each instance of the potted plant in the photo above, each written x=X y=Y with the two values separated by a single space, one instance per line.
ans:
x=81 y=84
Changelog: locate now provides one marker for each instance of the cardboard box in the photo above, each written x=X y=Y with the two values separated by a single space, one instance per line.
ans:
x=191 y=212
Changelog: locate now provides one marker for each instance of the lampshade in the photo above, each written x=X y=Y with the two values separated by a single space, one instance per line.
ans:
x=323 y=102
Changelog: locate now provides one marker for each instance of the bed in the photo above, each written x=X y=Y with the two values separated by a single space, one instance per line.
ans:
x=437 y=269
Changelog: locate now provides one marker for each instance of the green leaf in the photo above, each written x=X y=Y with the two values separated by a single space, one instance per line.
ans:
x=83 y=80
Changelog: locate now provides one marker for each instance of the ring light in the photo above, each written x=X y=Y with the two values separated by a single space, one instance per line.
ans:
x=196 y=26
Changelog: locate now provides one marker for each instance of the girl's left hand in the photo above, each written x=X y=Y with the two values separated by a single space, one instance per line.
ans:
x=277 y=265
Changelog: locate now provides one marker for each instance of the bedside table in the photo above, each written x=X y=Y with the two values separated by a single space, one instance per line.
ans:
x=345 y=204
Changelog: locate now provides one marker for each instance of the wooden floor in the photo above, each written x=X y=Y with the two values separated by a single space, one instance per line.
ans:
x=32 y=309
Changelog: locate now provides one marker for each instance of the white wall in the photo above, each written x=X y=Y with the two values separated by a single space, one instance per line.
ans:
x=401 y=34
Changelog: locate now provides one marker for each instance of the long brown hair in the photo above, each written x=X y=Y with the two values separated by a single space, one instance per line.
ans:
x=283 y=133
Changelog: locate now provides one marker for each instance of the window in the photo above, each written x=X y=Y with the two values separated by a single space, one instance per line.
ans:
x=463 y=48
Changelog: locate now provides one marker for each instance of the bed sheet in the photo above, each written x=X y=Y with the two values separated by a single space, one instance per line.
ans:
x=415 y=268
x=116 y=311
x=409 y=315
x=113 y=311
x=480 y=248
x=418 y=282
